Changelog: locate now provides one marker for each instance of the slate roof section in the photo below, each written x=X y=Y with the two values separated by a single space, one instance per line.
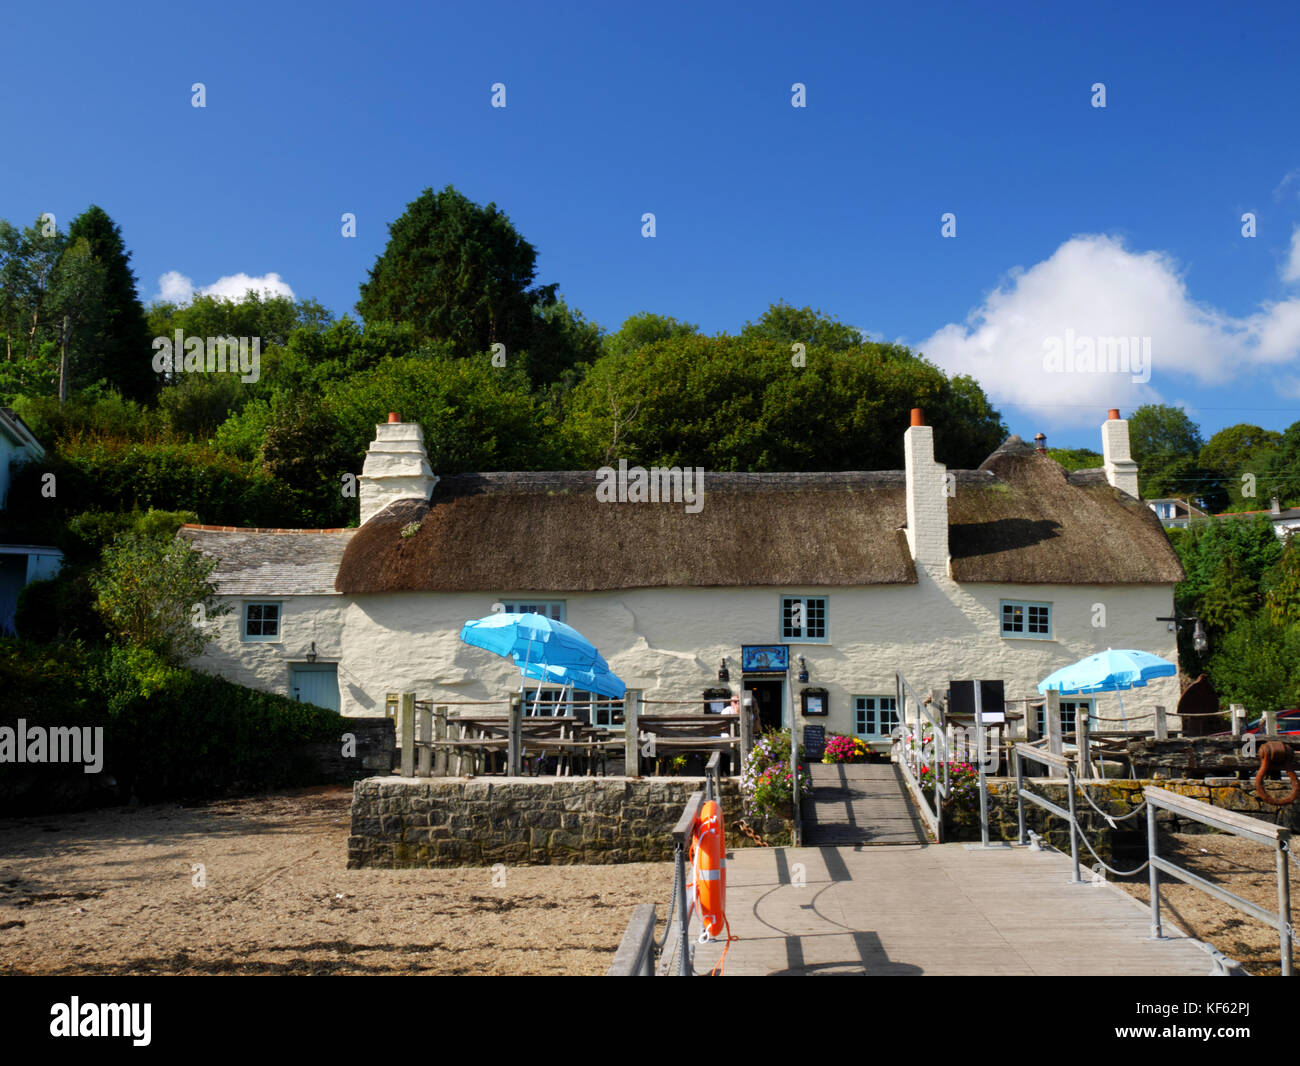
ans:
x=272 y=562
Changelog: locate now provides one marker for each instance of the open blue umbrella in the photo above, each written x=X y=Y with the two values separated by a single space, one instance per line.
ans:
x=1111 y=670
x=601 y=682
x=533 y=640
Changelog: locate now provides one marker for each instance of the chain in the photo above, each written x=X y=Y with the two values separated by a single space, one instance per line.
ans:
x=743 y=826
x=1111 y=818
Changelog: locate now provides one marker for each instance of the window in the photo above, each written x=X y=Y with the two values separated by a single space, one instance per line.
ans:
x=1068 y=710
x=553 y=609
x=595 y=710
x=1031 y=620
x=803 y=618
x=875 y=716
x=261 y=621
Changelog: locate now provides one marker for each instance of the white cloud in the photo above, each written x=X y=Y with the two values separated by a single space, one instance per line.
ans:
x=175 y=287
x=1091 y=288
x=1291 y=272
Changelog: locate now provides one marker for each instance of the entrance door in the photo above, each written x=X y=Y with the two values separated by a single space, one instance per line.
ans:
x=767 y=701
x=316 y=683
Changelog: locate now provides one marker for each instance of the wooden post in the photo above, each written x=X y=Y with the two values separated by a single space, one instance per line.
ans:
x=1162 y=726
x=440 y=766
x=1270 y=723
x=1081 y=737
x=936 y=702
x=407 y=726
x=631 y=727
x=424 y=733
x=1052 y=720
x=1238 y=719
x=515 y=740
x=1031 y=722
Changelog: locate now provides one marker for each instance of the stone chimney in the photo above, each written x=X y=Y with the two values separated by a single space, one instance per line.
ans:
x=396 y=467
x=1121 y=470
x=927 y=495
x=1275 y=505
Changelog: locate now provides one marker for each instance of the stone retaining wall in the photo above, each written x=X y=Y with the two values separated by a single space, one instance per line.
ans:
x=420 y=822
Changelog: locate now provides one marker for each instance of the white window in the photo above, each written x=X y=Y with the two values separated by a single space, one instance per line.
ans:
x=1069 y=708
x=552 y=609
x=261 y=621
x=875 y=716
x=803 y=618
x=1029 y=620
x=597 y=710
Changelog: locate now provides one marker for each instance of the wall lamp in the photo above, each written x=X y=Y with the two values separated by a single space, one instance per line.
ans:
x=724 y=675
x=311 y=655
x=803 y=670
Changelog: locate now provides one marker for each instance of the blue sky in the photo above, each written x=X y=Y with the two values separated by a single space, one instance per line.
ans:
x=1074 y=223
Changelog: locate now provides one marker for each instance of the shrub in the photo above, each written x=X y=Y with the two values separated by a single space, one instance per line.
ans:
x=841 y=748
x=765 y=785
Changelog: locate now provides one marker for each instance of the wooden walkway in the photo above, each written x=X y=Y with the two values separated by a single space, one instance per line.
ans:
x=935 y=909
x=860 y=803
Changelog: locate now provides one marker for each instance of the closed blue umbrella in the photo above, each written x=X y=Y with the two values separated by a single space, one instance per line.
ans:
x=1112 y=670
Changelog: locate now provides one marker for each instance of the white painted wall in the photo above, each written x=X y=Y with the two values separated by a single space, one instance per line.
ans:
x=669 y=642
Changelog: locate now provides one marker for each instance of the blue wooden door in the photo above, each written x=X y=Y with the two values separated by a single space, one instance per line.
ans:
x=316 y=683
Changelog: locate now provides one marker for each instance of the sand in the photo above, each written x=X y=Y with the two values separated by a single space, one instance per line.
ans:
x=117 y=892
x=1240 y=866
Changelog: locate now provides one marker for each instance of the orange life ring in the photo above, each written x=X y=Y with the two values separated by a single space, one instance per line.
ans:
x=709 y=870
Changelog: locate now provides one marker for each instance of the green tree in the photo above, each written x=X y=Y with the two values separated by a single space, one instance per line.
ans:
x=737 y=403
x=118 y=348
x=1076 y=458
x=461 y=273
x=1282 y=586
x=815 y=329
x=156 y=593
x=1256 y=665
x=1166 y=446
x=645 y=328
x=77 y=305
x=1279 y=471
x=29 y=261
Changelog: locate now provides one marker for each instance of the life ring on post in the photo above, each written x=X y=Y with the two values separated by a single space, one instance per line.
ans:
x=709 y=871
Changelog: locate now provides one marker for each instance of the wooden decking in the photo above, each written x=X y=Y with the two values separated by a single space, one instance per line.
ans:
x=860 y=803
x=935 y=909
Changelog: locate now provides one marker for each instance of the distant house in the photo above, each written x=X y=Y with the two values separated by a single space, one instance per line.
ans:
x=1005 y=572
x=19 y=563
x=1177 y=513
x=1286 y=520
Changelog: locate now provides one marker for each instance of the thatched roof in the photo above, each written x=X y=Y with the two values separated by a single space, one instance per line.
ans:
x=272 y=562
x=1022 y=519
x=547 y=532
x=1018 y=519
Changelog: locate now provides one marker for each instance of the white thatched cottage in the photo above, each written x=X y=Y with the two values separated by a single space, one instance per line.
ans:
x=1005 y=572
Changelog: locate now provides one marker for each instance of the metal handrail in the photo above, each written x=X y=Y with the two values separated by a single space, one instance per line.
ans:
x=1020 y=752
x=1239 y=825
x=914 y=756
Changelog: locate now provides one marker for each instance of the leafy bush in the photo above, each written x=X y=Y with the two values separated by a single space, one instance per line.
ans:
x=169 y=732
x=765 y=785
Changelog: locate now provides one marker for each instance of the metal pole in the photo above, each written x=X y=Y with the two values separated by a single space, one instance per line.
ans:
x=1284 y=906
x=796 y=835
x=1074 y=824
x=1020 y=796
x=984 y=788
x=683 y=914
x=1155 y=874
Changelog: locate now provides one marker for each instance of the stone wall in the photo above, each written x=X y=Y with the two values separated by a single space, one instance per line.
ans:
x=420 y=822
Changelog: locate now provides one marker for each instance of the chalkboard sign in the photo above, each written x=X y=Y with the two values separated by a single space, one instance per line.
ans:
x=814 y=741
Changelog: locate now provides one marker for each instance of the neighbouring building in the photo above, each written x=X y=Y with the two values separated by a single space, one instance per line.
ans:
x=1177 y=513
x=20 y=564
x=1005 y=572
